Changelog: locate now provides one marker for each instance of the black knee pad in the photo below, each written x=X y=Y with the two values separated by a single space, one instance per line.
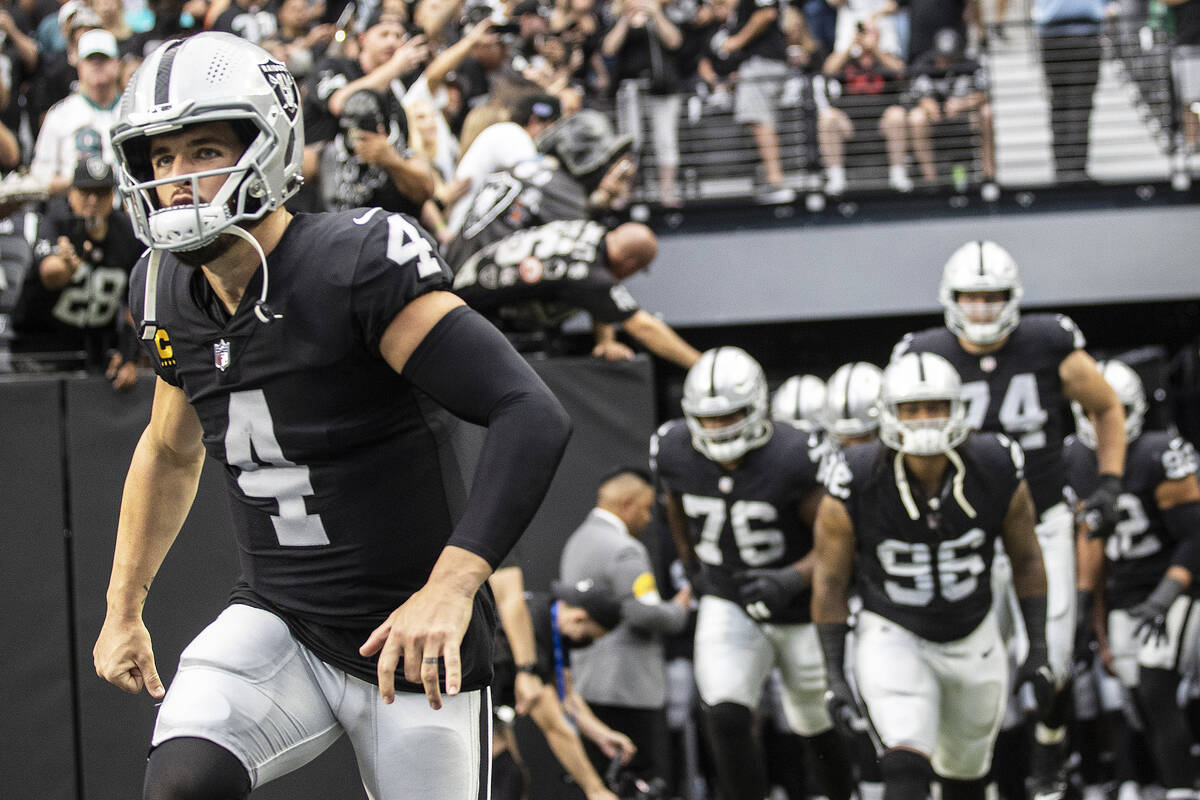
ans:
x=905 y=775
x=194 y=769
x=730 y=720
x=963 y=790
x=735 y=752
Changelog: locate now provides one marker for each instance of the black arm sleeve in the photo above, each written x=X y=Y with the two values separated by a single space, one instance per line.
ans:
x=467 y=366
x=1183 y=521
x=1033 y=610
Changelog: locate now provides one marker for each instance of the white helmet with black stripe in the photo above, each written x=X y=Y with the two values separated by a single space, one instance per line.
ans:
x=981 y=266
x=918 y=377
x=724 y=382
x=799 y=400
x=209 y=77
x=1131 y=394
x=852 y=401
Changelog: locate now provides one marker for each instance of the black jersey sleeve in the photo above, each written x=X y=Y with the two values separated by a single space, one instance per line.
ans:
x=1059 y=332
x=468 y=366
x=398 y=262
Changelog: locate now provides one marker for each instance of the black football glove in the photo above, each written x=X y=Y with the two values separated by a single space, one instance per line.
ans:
x=767 y=592
x=840 y=701
x=1150 y=615
x=1037 y=673
x=842 y=706
x=1099 y=511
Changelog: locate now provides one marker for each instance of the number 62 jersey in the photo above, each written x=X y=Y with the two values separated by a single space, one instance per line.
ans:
x=925 y=562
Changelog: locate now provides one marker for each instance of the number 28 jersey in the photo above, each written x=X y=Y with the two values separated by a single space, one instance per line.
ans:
x=340 y=494
x=1016 y=391
x=745 y=518
x=925 y=563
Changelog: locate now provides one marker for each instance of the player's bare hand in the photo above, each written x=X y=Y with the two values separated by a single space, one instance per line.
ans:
x=424 y=633
x=371 y=147
x=612 y=351
x=528 y=690
x=124 y=657
x=614 y=744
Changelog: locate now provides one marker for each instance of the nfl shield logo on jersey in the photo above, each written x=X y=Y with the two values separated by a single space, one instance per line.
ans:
x=221 y=356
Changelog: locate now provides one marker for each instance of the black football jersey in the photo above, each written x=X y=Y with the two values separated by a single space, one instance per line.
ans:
x=1140 y=547
x=538 y=277
x=1016 y=391
x=531 y=193
x=340 y=491
x=745 y=518
x=84 y=315
x=925 y=562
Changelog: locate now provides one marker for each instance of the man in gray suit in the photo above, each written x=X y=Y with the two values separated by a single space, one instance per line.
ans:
x=623 y=675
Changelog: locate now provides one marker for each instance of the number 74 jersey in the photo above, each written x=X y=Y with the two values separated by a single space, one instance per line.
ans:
x=925 y=562
x=1016 y=391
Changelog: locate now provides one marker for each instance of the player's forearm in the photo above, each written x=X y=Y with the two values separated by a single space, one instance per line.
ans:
x=1110 y=440
x=509 y=587
x=527 y=428
x=159 y=490
x=564 y=742
x=660 y=339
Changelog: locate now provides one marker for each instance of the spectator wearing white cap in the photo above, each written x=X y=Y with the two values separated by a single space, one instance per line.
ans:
x=77 y=127
x=53 y=72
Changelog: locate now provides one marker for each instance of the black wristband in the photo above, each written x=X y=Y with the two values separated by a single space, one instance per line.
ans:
x=530 y=669
x=1110 y=482
x=1033 y=610
x=833 y=646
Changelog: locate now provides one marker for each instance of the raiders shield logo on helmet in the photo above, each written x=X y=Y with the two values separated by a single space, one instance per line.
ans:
x=284 y=85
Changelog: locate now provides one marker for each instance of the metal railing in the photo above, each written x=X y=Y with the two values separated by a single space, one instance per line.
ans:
x=1049 y=129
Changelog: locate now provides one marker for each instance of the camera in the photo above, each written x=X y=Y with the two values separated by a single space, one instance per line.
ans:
x=477 y=11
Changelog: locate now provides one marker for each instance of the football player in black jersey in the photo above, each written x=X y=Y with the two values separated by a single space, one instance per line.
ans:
x=740 y=497
x=1153 y=554
x=309 y=356
x=585 y=166
x=912 y=520
x=536 y=278
x=1018 y=373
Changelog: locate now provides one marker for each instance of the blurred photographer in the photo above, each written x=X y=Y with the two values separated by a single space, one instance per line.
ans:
x=71 y=312
x=355 y=126
x=369 y=162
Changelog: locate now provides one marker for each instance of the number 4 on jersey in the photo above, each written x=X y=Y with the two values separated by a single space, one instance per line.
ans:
x=405 y=243
x=251 y=446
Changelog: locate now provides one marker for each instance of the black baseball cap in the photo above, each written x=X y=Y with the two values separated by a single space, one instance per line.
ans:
x=599 y=604
x=93 y=173
x=545 y=107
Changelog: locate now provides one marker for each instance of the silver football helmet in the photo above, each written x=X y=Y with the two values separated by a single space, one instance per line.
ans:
x=724 y=381
x=586 y=145
x=981 y=266
x=799 y=401
x=852 y=401
x=915 y=377
x=1131 y=394
x=209 y=77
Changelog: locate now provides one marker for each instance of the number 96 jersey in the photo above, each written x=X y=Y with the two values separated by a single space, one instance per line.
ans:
x=925 y=563
x=746 y=518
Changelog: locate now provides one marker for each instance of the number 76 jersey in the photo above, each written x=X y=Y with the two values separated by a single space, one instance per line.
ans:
x=745 y=518
x=925 y=563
